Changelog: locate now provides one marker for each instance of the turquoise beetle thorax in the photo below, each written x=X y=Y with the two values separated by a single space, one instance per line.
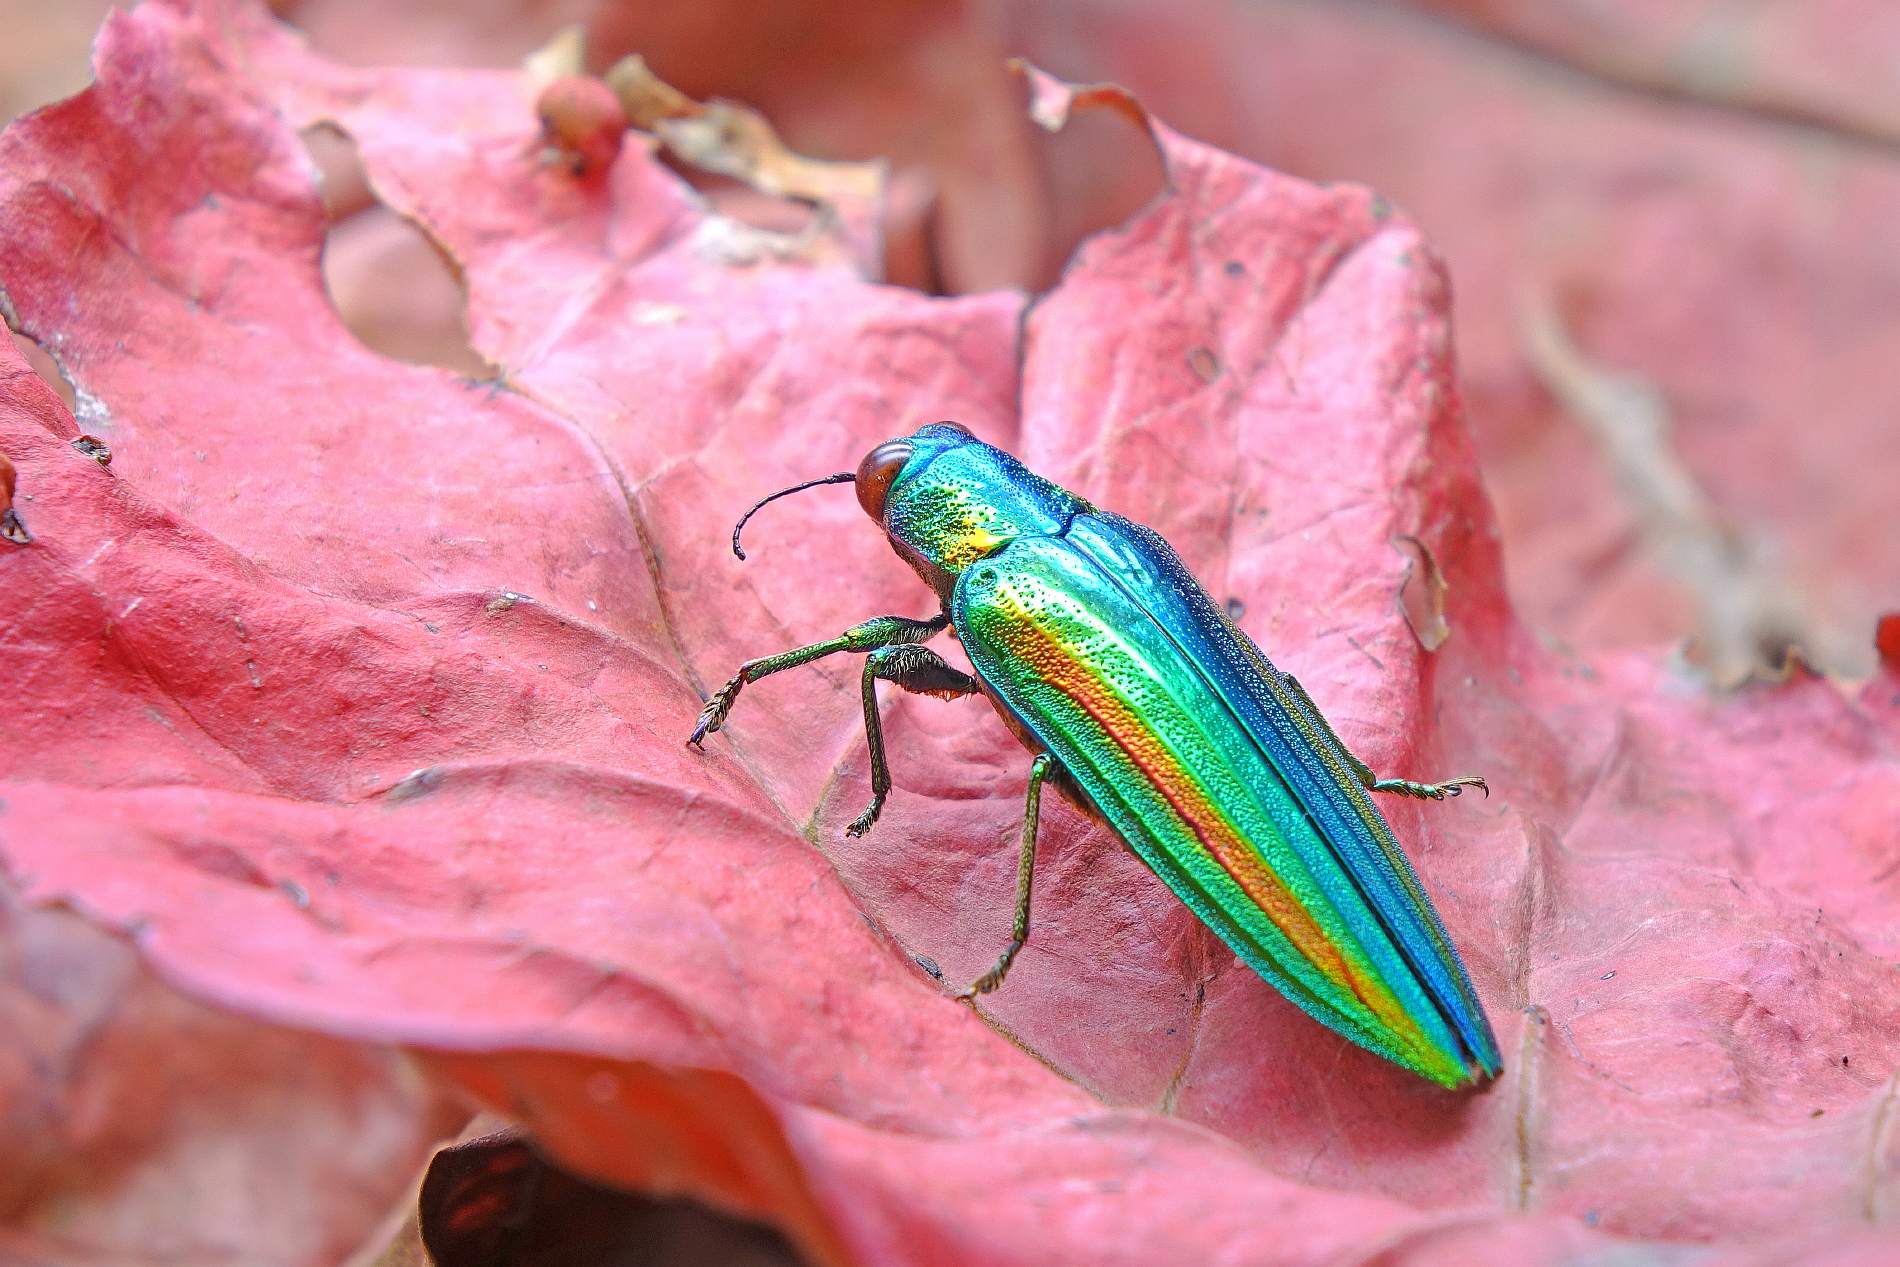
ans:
x=947 y=499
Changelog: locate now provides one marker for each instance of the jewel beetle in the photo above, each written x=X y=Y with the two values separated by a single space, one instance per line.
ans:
x=1142 y=700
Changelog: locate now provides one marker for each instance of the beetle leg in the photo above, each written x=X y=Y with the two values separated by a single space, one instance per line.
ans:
x=920 y=671
x=879 y=631
x=1373 y=783
x=1039 y=769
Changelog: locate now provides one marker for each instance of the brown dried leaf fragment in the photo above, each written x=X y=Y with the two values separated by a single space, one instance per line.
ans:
x=647 y=99
x=724 y=138
x=728 y=139
x=565 y=53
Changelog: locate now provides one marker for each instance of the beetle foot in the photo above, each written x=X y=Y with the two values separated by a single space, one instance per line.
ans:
x=990 y=980
x=713 y=716
x=1432 y=791
x=862 y=823
x=982 y=985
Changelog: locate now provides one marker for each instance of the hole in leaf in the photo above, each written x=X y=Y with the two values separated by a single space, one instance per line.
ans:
x=1422 y=593
x=495 y=1201
x=46 y=54
x=1019 y=221
x=738 y=200
x=46 y=367
x=1101 y=170
x=341 y=181
x=911 y=231
x=392 y=284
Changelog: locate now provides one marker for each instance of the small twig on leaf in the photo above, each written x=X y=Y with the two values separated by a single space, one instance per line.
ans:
x=1752 y=620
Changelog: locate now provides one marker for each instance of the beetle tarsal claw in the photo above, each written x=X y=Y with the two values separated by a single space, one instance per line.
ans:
x=1455 y=787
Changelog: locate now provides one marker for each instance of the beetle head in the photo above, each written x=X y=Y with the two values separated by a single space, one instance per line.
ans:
x=882 y=465
x=946 y=499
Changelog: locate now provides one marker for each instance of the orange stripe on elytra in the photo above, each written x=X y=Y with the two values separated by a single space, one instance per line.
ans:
x=1059 y=668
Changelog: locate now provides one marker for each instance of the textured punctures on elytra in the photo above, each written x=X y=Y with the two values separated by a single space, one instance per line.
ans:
x=1147 y=704
x=1108 y=680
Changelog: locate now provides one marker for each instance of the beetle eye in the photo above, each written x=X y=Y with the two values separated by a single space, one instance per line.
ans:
x=877 y=472
x=956 y=426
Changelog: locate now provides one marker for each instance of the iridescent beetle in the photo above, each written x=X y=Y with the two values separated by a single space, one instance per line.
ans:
x=1155 y=712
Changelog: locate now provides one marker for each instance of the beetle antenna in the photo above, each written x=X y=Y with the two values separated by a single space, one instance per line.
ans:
x=842 y=477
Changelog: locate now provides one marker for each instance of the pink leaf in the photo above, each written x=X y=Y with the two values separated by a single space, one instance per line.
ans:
x=357 y=690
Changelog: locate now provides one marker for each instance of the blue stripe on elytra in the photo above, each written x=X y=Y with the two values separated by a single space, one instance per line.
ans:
x=1146 y=565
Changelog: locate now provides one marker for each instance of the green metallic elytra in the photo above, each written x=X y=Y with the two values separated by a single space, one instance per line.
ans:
x=1153 y=710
